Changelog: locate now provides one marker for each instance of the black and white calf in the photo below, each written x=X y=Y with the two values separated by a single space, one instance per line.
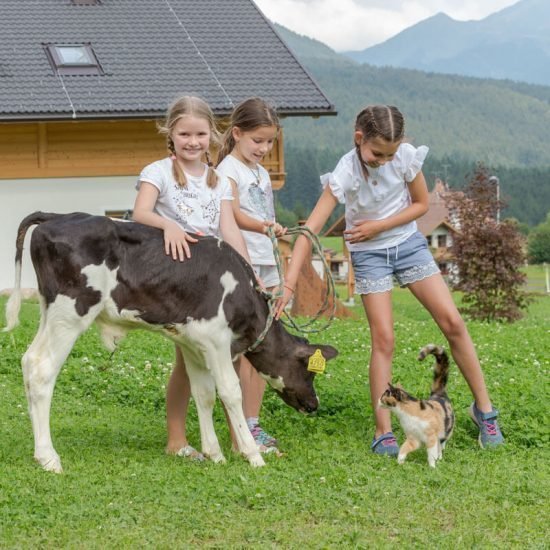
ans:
x=92 y=268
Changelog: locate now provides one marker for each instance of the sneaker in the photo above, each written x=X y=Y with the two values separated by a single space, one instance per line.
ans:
x=262 y=438
x=386 y=444
x=489 y=432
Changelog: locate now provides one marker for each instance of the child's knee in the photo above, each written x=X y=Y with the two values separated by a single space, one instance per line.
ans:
x=384 y=343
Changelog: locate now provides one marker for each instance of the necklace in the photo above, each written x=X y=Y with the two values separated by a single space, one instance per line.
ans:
x=255 y=174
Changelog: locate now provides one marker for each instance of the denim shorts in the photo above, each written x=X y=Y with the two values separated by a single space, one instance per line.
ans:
x=408 y=262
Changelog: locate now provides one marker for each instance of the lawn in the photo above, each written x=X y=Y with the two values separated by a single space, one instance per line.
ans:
x=119 y=489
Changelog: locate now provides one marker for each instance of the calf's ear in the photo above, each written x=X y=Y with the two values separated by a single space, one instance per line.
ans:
x=328 y=351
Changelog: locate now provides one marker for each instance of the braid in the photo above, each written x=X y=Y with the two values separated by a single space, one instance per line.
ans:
x=383 y=121
x=211 y=175
x=228 y=144
x=178 y=173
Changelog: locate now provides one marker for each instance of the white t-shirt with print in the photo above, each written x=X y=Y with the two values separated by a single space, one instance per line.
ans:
x=384 y=194
x=195 y=207
x=256 y=200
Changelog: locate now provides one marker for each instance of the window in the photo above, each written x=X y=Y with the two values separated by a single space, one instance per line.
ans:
x=442 y=241
x=120 y=214
x=73 y=59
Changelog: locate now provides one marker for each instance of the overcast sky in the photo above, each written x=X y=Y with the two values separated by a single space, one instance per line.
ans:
x=358 y=24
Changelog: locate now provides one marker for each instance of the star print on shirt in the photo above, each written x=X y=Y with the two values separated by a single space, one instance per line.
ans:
x=210 y=210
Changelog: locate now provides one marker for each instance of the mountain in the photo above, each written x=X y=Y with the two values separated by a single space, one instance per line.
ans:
x=513 y=43
x=463 y=120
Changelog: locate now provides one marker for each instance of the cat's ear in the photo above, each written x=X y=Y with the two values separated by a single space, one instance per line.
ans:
x=399 y=387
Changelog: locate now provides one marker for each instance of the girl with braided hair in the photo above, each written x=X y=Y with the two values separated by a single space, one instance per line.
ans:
x=381 y=184
x=180 y=194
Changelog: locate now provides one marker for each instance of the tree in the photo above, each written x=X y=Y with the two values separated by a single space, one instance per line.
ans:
x=487 y=254
x=539 y=243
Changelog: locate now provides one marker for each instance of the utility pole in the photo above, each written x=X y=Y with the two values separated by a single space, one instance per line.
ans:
x=496 y=181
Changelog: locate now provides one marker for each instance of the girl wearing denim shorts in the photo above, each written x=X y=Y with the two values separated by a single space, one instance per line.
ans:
x=381 y=184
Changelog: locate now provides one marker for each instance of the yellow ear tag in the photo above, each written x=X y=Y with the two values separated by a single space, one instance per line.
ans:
x=316 y=362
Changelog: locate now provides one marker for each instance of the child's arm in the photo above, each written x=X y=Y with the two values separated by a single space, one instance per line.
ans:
x=175 y=238
x=230 y=230
x=365 y=230
x=246 y=222
x=317 y=219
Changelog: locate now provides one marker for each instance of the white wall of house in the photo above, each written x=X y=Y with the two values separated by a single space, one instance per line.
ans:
x=441 y=230
x=320 y=270
x=20 y=197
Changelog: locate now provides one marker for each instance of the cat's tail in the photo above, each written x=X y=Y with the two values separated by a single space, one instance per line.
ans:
x=441 y=367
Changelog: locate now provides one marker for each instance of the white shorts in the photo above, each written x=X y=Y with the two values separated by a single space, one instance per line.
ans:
x=268 y=274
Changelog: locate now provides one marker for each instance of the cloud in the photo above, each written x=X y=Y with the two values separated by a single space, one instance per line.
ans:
x=358 y=24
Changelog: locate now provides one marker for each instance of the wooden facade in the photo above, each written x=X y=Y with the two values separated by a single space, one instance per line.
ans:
x=93 y=148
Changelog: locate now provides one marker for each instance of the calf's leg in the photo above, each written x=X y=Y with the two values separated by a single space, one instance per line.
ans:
x=227 y=383
x=203 y=390
x=41 y=364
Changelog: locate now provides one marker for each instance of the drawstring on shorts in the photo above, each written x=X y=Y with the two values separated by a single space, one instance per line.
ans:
x=388 y=254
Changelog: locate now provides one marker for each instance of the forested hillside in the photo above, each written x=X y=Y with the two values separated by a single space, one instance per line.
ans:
x=463 y=120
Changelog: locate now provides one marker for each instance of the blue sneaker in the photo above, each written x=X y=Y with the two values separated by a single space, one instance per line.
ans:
x=489 y=432
x=386 y=444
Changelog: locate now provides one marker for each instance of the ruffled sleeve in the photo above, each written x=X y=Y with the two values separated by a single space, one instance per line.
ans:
x=413 y=161
x=338 y=179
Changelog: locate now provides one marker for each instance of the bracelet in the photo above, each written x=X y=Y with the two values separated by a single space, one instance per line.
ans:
x=289 y=288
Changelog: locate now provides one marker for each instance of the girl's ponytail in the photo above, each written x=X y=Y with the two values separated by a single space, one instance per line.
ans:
x=228 y=144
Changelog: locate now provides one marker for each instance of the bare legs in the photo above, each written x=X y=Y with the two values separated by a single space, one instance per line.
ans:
x=434 y=295
x=178 y=394
x=378 y=308
x=253 y=387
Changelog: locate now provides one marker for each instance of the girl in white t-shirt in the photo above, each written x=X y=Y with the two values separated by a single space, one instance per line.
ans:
x=250 y=136
x=181 y=194
x=381 y=184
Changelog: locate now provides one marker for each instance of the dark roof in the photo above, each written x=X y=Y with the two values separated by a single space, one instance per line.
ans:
x=150 y=51
x=438 y=213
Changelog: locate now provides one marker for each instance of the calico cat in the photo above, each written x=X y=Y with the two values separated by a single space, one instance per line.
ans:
x=429 y=421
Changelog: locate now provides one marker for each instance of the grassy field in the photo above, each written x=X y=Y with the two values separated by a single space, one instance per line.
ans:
x=119 y=489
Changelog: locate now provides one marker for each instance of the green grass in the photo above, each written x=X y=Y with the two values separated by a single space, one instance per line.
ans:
x=119 y=489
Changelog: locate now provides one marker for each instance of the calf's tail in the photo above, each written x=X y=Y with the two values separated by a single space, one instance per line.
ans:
x=14 y=303
x=441 y=368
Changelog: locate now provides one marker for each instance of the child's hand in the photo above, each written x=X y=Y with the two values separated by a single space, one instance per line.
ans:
x=176 y=242
x=277 y=227
x=362 y=231
x=260 y=283
x=288 y=292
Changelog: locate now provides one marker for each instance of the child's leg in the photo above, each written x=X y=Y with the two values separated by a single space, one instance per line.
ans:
x=435 y=296
x=378 y=307
x=178 y=393
x=253 y=387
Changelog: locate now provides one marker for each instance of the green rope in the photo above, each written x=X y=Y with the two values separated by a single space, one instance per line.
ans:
x=272 y=297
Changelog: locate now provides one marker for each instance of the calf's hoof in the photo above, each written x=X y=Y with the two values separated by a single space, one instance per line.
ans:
x=51 y=464
x=217 y=458
x=256 y=460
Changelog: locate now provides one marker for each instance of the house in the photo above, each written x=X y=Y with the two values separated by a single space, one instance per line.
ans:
x=435 y=225
x=83 y=82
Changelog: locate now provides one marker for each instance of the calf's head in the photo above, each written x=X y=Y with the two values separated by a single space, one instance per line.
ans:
x=289 y=376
